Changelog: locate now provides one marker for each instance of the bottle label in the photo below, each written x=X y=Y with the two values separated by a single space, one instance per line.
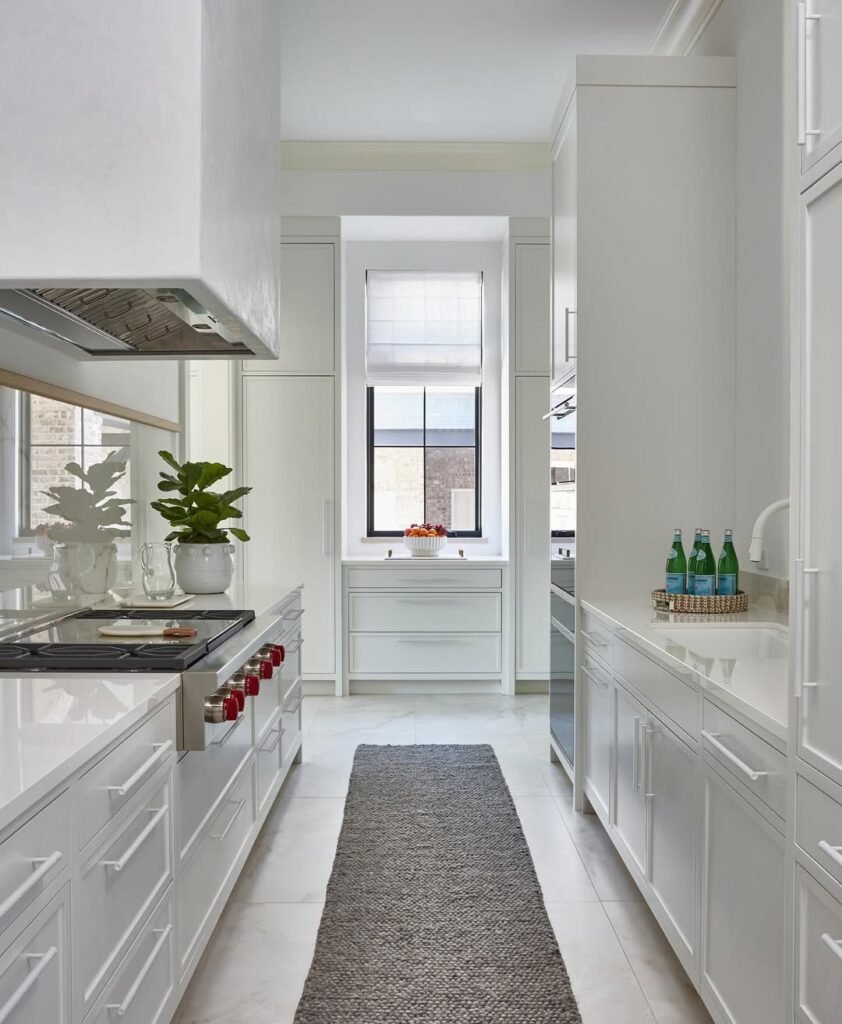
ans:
x=673 y=554
x=675 y=582
x=691 y=583
x=703 y=585
x=727 y=583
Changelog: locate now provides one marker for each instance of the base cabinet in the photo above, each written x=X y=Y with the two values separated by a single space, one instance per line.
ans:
x=743 y=899
x=818 y=951
x=35 y=970
x=597 y=691
x=629 y=794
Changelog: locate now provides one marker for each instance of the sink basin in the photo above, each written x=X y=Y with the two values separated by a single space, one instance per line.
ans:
x=761 y=641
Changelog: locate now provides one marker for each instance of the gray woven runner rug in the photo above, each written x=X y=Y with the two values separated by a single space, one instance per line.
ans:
x=434 y=914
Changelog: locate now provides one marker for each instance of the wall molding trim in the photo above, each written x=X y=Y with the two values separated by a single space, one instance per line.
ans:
x=414 y=156
x=683 y=24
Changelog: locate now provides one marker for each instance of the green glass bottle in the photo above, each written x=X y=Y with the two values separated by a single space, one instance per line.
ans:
x=691 y=562
x=676 y=579
x=704 y=583
x=728 y=570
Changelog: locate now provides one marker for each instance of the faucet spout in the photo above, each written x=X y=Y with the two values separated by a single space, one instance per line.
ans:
x=755 y=550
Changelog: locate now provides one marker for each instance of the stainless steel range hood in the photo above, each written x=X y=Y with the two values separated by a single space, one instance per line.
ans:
x=158 y=322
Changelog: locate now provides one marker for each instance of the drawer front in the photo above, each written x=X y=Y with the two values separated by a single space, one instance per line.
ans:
x=143 y=988
x=676 y=699
x=818 y=826
x=267 y=702
x=596 y=632
x=757 y=764
x=201 y=775
x=398 y=577
x=291 y=721
x=34 y=971
x=592 y=666
x=563 y=611
x=268 y=759
x=818 y=936
x=212 y=858
x=32 y=857
x=419 y=654
x=117 y=888
x=113 y=781
x=425 y=613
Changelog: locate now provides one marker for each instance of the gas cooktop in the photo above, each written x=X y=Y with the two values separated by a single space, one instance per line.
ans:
x=74 y=643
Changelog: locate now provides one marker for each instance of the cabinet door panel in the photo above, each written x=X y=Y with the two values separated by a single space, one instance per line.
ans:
x=629 y=804
x=820 y=740
x=597 y=688
x=288 y=446
x=564 y=251
x=743 y=883
x=532 y=308
x=824 y=79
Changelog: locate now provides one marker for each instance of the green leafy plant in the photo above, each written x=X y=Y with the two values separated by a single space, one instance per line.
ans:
x=92 y=513
x=195 y=515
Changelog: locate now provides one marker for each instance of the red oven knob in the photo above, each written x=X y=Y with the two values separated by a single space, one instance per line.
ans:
x=260 y=666
x=230 y=708
x=279 y=652
x=238 y=692
x=251 y=683
x=274 y=652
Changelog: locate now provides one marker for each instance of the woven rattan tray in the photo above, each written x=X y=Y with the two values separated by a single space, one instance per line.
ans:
x=715 y=604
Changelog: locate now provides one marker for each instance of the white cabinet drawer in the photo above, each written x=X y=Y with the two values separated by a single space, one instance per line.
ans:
x=291 y=721
x=411 y=577
x=117 y=888
x=201 y=775
x=113 y=781
x=675 y=699
x=142 y=990
x=34 y=971
x=419 y=654
x=598 y=635
x=267 y=702
x=32 y=857
x=204 y=873
x=818 y=826
x=268 y=760
x=757 y=764
x=444 y=612
x=818 y=938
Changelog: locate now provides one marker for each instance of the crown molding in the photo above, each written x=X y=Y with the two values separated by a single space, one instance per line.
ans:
x=683 y=25
x=414 y=156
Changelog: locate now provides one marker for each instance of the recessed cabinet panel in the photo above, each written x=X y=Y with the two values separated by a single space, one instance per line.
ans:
x=597 y=691
x=564 y=249
x=35 y=970
x=818 y=940
x=425 y=613
x=629 y=781
x=823 y=80
x=532 y=308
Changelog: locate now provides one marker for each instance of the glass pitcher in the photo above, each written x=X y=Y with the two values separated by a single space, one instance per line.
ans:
x=158 y=574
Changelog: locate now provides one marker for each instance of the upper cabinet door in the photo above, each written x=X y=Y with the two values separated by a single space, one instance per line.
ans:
x=308 y=311
x=532 y=307
x=819 y=41
x=817 y=672
x=564 y=249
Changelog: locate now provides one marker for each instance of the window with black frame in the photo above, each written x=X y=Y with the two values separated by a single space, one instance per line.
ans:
x=424 y=401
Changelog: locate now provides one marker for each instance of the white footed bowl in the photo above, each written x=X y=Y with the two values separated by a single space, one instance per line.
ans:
x=425 y=547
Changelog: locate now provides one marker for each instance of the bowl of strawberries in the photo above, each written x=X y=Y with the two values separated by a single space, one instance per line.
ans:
x=425 y=540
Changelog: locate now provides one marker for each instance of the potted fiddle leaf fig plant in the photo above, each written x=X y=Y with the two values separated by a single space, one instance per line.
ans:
x=203 y=563
x=92 y=518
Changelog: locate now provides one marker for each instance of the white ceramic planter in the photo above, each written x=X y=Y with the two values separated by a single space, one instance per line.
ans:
x=86 y=568
x=204 y=568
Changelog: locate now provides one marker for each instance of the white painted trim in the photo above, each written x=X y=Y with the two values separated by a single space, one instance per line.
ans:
x=414 y=156
x=683 y=25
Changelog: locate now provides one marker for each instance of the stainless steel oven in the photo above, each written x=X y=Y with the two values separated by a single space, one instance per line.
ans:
x=562 y=671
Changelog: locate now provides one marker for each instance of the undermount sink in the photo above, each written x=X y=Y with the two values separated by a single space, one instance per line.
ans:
x=760 y=641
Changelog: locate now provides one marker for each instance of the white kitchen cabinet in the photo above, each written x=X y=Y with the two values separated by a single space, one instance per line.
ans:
x=818 y=951
x=597 y=726
x=629 y=818
x=819 y=69
x=743 y=909
x=532 y=521
x=35 y=969
x=820 y=611
x=564 y=255
x=288 y=457
x=532 y=302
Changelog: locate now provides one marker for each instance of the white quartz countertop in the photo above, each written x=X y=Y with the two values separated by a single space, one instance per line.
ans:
x=751 y=678
x=52 y=725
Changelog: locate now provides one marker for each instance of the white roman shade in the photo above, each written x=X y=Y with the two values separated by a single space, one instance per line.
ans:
x=423 y=327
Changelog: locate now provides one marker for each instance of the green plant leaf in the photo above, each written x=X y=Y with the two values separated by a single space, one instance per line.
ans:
x=230 y=496
x=211 y=472
x=170 y=460
x=235 y=531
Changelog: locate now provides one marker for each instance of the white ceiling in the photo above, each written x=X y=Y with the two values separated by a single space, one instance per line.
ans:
x=443 y=70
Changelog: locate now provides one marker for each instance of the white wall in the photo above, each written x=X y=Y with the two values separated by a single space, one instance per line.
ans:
x=752 y=30
x=451 y=255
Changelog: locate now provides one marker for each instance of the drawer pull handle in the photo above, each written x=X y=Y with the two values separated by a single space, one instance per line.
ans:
x=150 y=827
x=15 y=999
x=834 y=852
x=121 y=1009
x=130 y=783
x=591 y=638
x=45 y=865
x=594 y=678
x=750 y=773
x=296 y=647
x=293 y=710
x=270 y=748
x=432 y=640
x=240 y=804
x=834 y=945
x=293 y=616
x=636 y=754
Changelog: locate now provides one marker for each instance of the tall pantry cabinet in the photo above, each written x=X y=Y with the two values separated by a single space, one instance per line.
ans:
x=289 y=442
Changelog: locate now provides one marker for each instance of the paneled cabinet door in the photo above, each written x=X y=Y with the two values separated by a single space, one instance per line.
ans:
x=564 y=249
x=672 y=795
x=820 y=737
x=288 y=446
x=532 y=307
x=597 y=689
x=629 y=781
x=820 y=70
x=743 y=883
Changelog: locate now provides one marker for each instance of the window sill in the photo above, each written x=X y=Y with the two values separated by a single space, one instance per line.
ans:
x=458 y=541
